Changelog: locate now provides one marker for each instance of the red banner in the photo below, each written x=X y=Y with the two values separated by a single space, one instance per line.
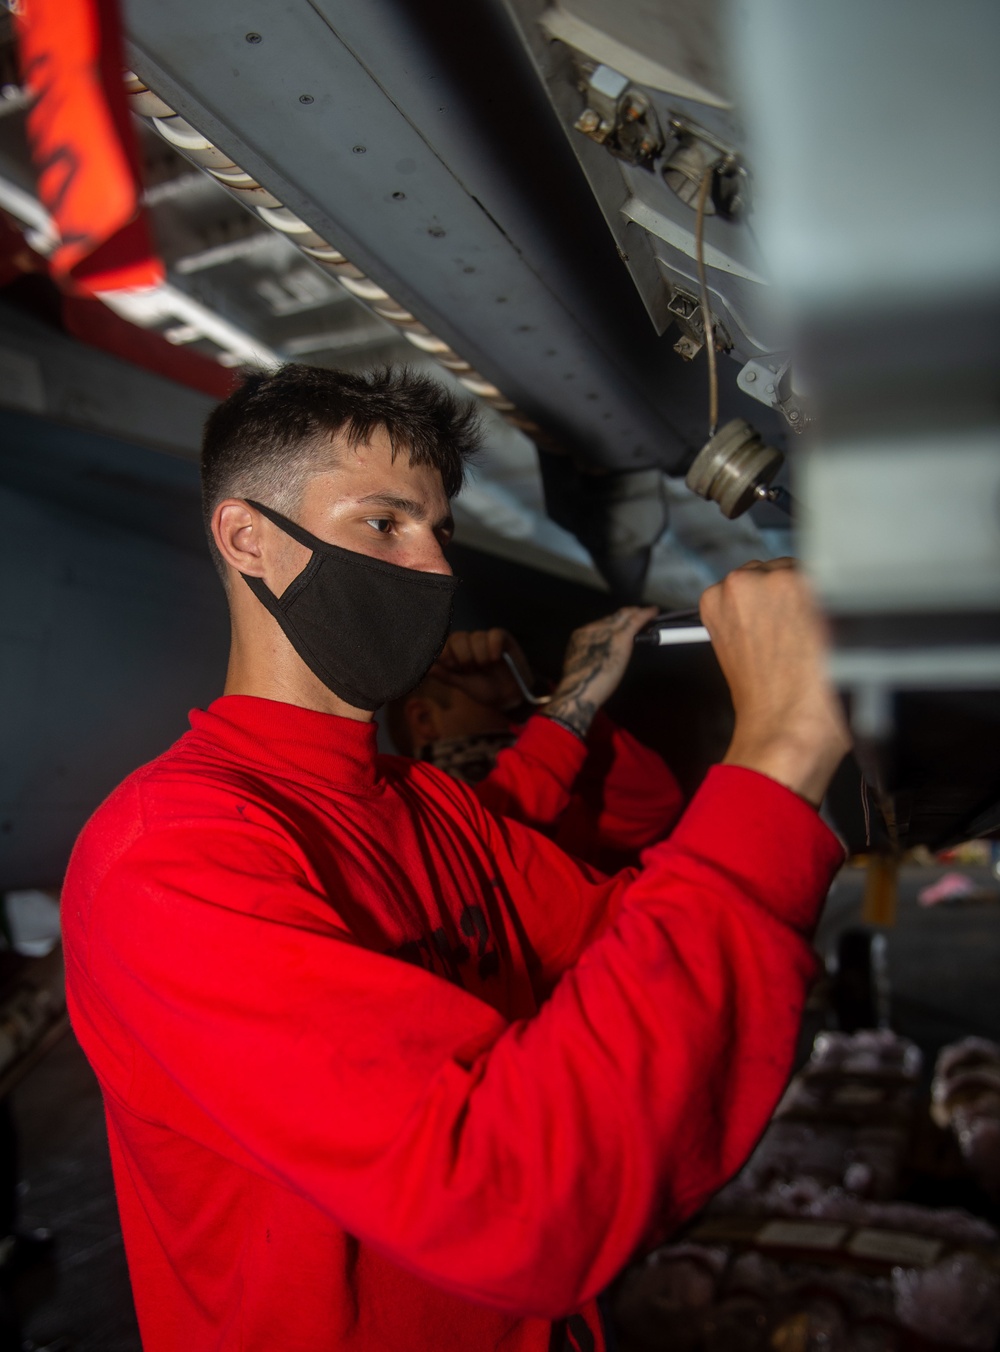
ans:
x=83 y=144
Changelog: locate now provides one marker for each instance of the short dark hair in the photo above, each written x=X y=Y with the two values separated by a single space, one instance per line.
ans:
x=272 y=433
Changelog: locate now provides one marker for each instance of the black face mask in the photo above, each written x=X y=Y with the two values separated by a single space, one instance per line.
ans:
x=369 y=630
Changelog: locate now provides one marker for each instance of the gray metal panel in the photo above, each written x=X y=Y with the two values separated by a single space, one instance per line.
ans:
x=873 y=136
x=646 y=218
x=422 y=60
x=892 y=279
x=341 y=161
x=46 y=372
x=603 y=172
x=672 y=47
x=904 y=523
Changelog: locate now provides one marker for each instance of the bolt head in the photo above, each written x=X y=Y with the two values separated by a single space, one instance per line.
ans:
x=254 y=38
x=751 y=376
x=306 y=98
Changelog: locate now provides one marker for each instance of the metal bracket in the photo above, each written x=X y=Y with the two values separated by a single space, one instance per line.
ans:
x=619 y=116
x=686 y=309
x=768 y=379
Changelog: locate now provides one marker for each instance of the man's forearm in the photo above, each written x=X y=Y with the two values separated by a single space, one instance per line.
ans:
x=805 y=764
x=595 y=663
x=573 y=711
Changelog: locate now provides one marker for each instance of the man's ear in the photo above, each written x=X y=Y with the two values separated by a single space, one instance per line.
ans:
x=421 y=717
x=238 y=534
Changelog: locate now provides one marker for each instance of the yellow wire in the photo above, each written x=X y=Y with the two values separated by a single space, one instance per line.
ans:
x=706 y=310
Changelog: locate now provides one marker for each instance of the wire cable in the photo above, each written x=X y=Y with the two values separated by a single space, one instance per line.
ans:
x=706 y=309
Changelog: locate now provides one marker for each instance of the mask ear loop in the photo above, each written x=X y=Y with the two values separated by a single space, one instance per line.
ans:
x=290 y=527
x=528 y=696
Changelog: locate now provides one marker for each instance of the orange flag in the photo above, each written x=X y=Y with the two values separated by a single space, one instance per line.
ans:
x=83 y=145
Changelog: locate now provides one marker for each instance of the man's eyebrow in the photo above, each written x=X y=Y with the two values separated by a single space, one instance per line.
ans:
x=410 y=506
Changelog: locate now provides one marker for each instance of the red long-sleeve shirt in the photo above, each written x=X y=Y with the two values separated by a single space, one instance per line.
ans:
x=310 y=981
x=603 y=799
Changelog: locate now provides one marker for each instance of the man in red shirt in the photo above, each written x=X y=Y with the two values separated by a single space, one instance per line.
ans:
x=602 y=797
x=383 y=1071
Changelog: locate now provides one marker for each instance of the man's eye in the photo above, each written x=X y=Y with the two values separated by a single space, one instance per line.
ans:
x=383 y=524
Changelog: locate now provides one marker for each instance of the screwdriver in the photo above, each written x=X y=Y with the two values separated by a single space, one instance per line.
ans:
x=670 y=628
x=662 y=630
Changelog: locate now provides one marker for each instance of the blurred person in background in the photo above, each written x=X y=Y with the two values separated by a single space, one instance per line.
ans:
x=602 y=796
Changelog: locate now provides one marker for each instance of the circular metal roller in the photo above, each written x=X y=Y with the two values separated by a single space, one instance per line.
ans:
x=731 y=467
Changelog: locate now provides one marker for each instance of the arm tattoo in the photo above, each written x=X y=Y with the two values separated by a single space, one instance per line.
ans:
x=571 y=704
x=576 y=715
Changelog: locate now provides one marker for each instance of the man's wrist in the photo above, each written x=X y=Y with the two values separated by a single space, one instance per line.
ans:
x=803 y=764
x=572 y=711
x=568 y=727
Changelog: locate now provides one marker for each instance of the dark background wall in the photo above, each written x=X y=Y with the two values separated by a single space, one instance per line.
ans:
x=107 y=637
x=112 y=625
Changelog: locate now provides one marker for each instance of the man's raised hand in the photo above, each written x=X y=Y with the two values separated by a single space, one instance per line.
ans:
x=772 y=644
x=594 y=666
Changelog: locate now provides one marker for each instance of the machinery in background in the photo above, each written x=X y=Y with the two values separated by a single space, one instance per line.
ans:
x=659 y=240
x=436 y=187
x=767 y=172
